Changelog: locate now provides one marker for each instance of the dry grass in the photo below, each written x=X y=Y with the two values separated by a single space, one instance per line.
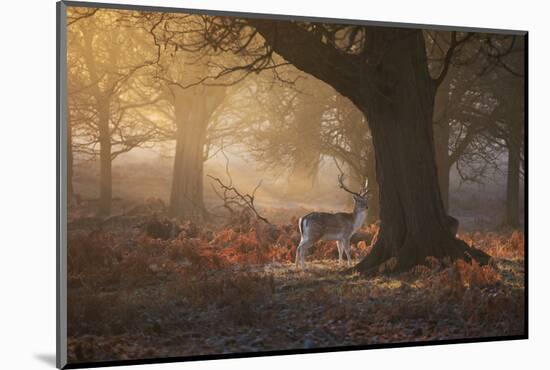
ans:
x=508 y=244
x=204 y=292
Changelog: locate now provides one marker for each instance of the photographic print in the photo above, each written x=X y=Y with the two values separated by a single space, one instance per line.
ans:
x=239 y=184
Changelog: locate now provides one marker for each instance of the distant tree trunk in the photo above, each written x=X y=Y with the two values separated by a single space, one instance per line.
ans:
x=105 y=162
x=193 y=110
x=413 y=219
x=512 y=184
x=441 y=139
x=186 y=197
x=307 y=154
x=303 y=175
x=442 y=132
x=103 y=112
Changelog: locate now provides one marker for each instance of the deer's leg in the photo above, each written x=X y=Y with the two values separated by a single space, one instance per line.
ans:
x=347 y=248
x=340 y=250
x=298 y=251
x=304 y=246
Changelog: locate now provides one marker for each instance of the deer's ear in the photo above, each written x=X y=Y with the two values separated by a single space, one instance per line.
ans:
x=356 y=198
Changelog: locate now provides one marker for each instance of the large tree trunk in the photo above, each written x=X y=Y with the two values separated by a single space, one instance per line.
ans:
x=373 y=214
x=512 y=184
x=413 y=219
x=105 y=163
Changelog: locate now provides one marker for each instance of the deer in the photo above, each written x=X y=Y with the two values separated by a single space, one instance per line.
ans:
x=339 y=226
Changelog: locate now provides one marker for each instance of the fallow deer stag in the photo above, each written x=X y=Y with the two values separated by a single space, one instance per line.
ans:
x=333 y=226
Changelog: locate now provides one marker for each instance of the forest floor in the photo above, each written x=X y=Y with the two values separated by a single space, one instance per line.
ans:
x=133 y=294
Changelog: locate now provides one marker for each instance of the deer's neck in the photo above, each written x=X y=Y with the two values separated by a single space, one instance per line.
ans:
x=359 y=216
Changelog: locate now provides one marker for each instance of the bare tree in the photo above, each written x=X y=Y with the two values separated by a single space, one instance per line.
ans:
x=284 y=129
x=107 y=93
x=191 y=107
x=475 y=105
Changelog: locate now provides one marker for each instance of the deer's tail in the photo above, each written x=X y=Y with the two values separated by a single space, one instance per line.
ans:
x=300 y=225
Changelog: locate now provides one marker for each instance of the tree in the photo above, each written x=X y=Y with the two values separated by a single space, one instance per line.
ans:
x=192 y=107
x=508 y=66
x=388 y=80
x=479 y=115
x=106 y=95
x=284 y=124
x=384 y=72
x=461 y=121
x=468 y=132
x=306 y=156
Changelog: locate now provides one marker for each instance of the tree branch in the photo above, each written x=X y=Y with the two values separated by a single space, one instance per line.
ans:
x=233 y=196
x=449 y=57
x=307 y=53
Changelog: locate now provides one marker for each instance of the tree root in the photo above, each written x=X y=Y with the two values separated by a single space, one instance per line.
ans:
x=381 y=260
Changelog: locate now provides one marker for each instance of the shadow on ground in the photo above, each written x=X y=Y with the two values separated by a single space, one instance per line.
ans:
x=47 y=358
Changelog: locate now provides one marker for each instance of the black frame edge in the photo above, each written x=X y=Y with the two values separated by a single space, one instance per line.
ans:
x=526 y=184
x=288 y=352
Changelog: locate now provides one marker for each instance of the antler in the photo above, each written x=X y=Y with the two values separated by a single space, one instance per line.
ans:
x=342 y=186
x=365 y=189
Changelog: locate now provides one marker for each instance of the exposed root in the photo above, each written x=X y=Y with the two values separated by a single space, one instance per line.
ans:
x=382 y=261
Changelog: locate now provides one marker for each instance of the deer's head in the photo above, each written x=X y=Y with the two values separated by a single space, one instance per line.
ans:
x=360 y=202
x=360 y=198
